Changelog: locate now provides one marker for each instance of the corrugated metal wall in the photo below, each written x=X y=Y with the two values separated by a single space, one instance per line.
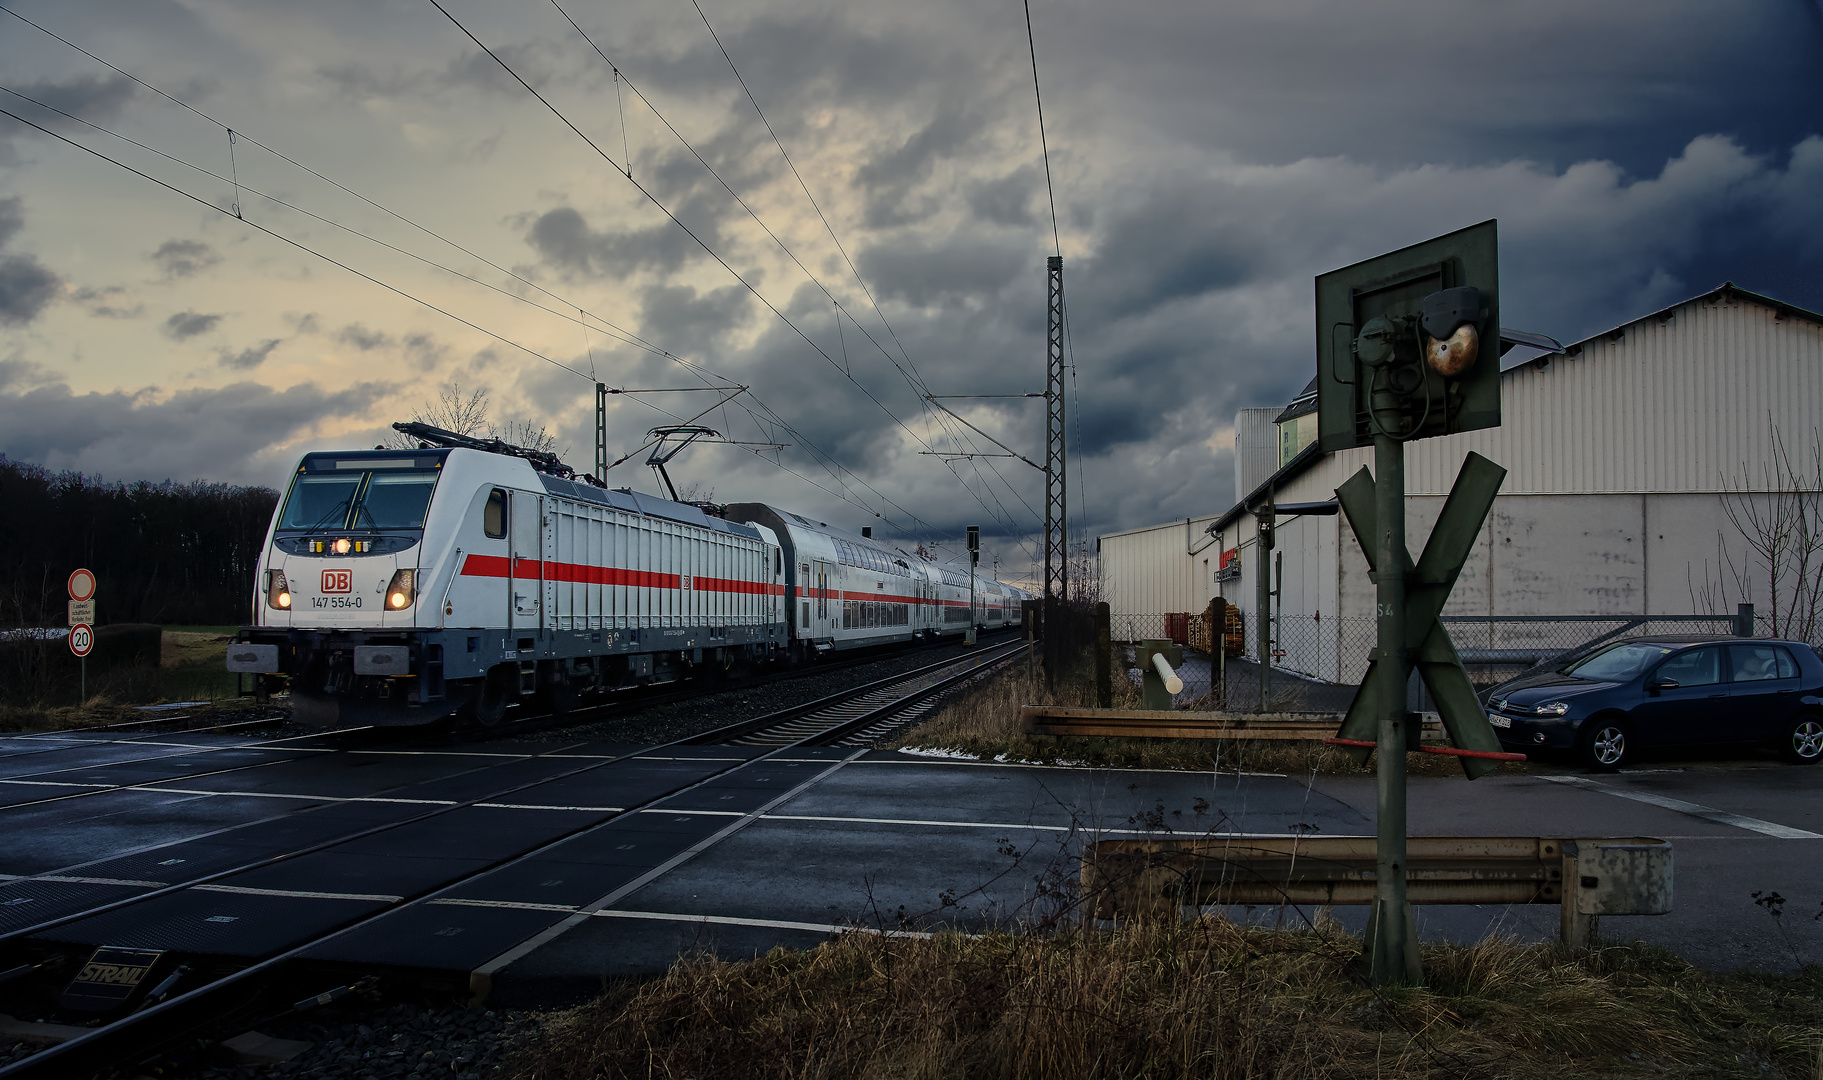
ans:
x=1685 y=406
x=1148 y=571
x=1681 y=406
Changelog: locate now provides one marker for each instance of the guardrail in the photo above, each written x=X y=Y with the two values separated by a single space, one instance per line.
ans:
x=1185 y=724
x=1585 y=877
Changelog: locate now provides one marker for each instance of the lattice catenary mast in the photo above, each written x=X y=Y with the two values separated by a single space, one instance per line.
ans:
x=1056 y=486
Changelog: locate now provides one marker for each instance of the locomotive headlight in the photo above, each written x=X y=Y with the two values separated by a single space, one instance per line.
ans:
x=342 y=545
x=278 y=590
x=402 y=589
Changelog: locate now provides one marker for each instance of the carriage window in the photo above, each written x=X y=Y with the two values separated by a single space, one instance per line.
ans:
x=493 y=518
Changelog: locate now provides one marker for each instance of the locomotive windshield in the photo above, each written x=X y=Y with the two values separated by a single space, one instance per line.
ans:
x=366 y=496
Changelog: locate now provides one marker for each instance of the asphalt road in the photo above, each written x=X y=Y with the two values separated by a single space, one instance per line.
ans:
x=788 y=850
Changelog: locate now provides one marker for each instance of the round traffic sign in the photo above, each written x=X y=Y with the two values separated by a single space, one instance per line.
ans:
x=82 y=639
x=82 y=585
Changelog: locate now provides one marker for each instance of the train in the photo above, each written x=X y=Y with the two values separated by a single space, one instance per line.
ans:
x=403 y=587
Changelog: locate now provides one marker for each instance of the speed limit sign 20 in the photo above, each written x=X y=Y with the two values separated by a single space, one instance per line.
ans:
x=82 y=639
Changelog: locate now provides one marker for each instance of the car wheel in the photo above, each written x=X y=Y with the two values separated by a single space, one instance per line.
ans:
x=1803 y=743
x=1606 y=745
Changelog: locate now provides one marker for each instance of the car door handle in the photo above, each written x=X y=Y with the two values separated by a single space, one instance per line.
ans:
x=1789 y=690
x=1718 y=695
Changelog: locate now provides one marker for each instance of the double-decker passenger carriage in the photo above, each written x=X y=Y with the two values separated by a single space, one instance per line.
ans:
x=404 y=586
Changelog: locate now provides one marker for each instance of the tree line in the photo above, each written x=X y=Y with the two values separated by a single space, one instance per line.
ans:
x=166 y=553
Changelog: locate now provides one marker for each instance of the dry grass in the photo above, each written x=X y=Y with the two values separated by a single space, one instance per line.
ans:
x=985 y=723
x=192 y=667
x=1202 y=999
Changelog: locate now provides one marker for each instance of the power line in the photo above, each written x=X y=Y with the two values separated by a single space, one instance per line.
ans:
x=667 y=212
x=914 y=378
x=1032 y=44
x=619 y=333
x=827 y=461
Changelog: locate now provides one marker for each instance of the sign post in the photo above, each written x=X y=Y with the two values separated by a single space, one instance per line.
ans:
x=1408 y=348
x=82 y=625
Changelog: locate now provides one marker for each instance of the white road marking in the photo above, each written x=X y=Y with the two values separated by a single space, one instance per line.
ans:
x=990 y=763
x=1085 y=830
x=666 y=916
x=731 y=920
x=1696 y=810
x=542 y=806
x=84 y=880
x=514 y=905
x=242 y=890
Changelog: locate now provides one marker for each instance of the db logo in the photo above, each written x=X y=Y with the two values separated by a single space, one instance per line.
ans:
x=338 y=581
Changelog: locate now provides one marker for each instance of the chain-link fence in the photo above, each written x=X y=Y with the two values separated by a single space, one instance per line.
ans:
x=1318 y=661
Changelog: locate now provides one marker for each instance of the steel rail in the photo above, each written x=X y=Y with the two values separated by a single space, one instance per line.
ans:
x=174 y=1020
x=36 y=928
x=638 y=699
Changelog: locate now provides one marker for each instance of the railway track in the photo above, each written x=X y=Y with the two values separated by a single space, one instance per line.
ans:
x=319 y=942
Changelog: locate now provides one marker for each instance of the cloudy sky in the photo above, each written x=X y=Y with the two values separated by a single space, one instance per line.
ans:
x=1208 y=160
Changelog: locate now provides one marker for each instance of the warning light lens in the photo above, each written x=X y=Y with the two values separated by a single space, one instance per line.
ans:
x=284 y=599
x=342 y=545
x=402 y=589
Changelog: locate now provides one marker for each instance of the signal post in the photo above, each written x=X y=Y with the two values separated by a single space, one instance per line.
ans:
x=1408 y=348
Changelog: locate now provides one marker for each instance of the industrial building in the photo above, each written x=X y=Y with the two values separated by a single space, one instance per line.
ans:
x=1625 y=454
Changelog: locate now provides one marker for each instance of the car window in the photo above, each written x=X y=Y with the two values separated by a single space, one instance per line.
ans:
x=1618 y=663
x=1761 y=663
x=1698 y=667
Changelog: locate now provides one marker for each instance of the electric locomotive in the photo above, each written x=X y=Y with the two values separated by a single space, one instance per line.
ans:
x=402 y=587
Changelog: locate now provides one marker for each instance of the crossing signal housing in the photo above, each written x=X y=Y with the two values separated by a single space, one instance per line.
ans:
x=1403 y=342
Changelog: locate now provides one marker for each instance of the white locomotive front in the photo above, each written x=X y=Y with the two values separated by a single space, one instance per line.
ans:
x=404 y=586
x=400 y=586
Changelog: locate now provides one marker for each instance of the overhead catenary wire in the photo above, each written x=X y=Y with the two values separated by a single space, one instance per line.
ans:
x=828 y=463
x=913 y=378
x=693 y=236
x=394 y=289
x=763 y=416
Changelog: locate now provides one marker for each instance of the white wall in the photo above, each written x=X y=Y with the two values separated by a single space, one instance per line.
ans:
x=1256 y=449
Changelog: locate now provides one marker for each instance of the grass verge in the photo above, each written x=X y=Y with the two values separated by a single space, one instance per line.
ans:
x=192 y=667
x=1204 y=999
x=985 y=723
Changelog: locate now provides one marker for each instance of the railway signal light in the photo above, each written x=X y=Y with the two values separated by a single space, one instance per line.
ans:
x=1402 y=342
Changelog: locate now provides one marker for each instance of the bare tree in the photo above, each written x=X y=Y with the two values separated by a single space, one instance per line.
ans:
x=466 y=413
x=1781 y=559
x=524 y=433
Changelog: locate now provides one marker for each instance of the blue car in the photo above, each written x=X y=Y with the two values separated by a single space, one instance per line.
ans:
x=1606 y=705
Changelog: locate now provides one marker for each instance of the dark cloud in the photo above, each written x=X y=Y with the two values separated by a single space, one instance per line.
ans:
x=926 y=272
x=12 y=219
x=565 y=241
x=892 y=178
x=249 y=358
x=189 y=324
x=232 y=433
x=103 y=302
x=94 y=98
x=183 y=258
x=362 y=338
x=1008 y=199
x=27 y=287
